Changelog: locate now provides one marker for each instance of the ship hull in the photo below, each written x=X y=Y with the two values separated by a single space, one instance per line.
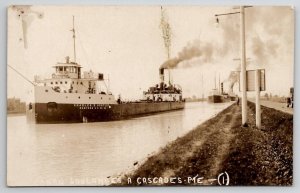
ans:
x=233 y=98
x=216 y=98
x=63 y=113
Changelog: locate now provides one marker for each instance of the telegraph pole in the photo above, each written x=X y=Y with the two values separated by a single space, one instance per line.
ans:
x=243 y=65
x=243 y=60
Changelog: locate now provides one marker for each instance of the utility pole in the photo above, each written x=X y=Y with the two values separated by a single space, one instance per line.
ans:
x=243 y=60
x=243 y=65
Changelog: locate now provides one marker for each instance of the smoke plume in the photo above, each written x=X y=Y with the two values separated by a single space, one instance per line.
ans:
x=197 y=49
x=232 y=79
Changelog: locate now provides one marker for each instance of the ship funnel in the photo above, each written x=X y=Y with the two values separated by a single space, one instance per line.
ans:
x=161 y=77
x=67 y=59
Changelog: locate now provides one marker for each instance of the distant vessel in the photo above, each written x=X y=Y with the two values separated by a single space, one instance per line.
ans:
x=215 y=97
x=69 y=97
x=218 y=95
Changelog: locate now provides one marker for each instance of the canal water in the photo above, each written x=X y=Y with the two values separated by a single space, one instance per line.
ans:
x=93 y=153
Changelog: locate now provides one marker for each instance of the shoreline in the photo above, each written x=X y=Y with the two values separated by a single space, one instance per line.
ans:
x=249 y=156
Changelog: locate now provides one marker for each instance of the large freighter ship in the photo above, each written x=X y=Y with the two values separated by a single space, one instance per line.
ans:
x=72 y=96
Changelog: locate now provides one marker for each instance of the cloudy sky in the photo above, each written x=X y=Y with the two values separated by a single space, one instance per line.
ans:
x=126 y=44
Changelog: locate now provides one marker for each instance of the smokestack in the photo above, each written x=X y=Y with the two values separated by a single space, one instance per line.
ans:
x=161 y=77
x=67 y=59
x=222 y=89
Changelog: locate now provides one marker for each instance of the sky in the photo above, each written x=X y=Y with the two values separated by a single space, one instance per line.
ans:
x=126 y=44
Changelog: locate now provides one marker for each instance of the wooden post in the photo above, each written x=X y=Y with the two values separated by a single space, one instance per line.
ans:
x=257 y=97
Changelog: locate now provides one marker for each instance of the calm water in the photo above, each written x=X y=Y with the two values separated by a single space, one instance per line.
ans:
x=93 y=153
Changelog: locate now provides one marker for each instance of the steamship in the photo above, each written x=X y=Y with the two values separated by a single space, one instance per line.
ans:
x=72 y=96
x=215 y=97
x=218 y=96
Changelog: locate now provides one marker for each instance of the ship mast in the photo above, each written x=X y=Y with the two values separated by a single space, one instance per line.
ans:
x=74 y=44
x=166 y=30
x=215 y=81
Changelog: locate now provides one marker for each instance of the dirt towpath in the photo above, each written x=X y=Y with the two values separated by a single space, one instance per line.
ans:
x=249 y=156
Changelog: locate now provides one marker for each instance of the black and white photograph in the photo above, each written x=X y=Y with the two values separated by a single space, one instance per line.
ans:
x=150 y=95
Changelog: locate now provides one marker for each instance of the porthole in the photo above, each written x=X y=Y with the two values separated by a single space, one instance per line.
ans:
x=46 y=90
x=66 y=82
x=51 y=82
x=79 y=97
x=61 y=82
x=89 y=97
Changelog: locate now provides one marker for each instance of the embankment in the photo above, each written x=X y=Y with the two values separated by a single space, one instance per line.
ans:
x=249 y=155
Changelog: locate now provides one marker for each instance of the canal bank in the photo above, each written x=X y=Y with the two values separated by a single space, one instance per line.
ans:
x=249 y=155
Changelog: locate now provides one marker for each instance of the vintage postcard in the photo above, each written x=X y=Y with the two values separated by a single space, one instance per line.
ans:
x=150 y=95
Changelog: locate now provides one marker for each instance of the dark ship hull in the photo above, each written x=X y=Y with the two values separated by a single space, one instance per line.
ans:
x=220 y=98
x=66 y=113
x=233 y=98
x=215 y=98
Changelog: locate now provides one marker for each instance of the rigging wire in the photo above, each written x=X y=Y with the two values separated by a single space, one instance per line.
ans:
x=21 y=75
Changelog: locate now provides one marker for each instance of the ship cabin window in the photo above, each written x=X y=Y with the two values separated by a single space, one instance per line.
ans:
x=60 y=82
x=46 y=90
x=51 y=82
x=60 y=69
x=67 y=69
x=79 y=97
x=56 y=83
x=66 y=82
x=75 y=69
x=89 y=97
x=80 y=82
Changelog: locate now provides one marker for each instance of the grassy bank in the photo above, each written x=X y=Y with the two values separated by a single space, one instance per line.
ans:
x=249 y=155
